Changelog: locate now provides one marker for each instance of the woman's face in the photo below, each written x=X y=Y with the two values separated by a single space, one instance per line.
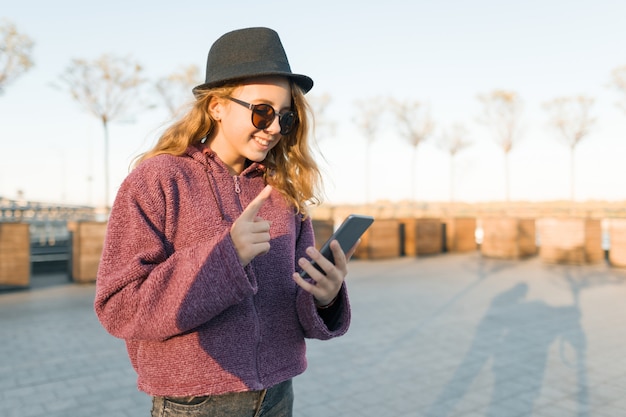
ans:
x=236 y=138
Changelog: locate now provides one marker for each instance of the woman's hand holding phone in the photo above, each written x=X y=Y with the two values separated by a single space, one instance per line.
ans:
x=329 y=266
x=325 y=284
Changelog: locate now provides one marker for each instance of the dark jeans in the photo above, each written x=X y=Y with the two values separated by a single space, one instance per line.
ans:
x=276 y=401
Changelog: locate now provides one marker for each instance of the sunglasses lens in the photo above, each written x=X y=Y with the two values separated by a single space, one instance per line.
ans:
x=262 y=116
x=287 y=121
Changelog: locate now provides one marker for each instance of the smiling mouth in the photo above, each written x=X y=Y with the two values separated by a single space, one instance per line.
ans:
x=262 y=142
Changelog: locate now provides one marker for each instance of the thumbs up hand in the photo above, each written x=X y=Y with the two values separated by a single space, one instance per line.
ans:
x=251 y=234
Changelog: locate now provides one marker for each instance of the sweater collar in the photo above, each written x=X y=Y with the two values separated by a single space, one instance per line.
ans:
x=205 y=155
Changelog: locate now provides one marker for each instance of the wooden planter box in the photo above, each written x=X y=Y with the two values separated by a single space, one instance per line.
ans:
x=422 y=236
x=323 y=230
x=617 y=238
x=15 y=254
x=570 y=240
x=508 y=238
x=380 y=241
x=87 y=244
x=461 y=234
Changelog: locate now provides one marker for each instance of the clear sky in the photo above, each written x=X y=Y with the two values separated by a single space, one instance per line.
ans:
x=443 y=53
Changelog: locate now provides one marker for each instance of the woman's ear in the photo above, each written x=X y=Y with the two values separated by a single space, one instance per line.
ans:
x=215 y=108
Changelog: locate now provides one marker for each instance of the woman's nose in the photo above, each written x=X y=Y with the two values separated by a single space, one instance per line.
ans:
x=274 y=127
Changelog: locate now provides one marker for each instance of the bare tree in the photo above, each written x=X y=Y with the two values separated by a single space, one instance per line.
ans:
x=15 y=53
x=368 y=122
x=618 y=81
x=502 y=112
x=571 y=118
x=175 y=89
x=323 y=127
x=107 y=88
x=416 y=126
x=453 y=140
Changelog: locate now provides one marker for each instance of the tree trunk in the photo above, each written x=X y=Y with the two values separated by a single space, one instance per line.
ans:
x=451 y=178
x=572 y=195
x=105 y=125
x=367 y=172
x=414 y=175
x=506 y=176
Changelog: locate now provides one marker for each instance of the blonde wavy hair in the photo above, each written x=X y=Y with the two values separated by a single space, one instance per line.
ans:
x=290 y=166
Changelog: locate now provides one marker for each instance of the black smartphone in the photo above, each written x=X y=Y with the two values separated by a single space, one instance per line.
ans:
x=347 y=234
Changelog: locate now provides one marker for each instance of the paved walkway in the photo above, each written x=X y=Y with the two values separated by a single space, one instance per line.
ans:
x=448 y=335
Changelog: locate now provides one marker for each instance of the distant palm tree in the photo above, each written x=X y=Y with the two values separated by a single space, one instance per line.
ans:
x=323 y=127
x=571 y=118
x=15 y=53
x=175 y=89
x=618 y=81
x=368 y=120
x=454 y=140
x=108 y=88
x=502 y=112
x=415 y=126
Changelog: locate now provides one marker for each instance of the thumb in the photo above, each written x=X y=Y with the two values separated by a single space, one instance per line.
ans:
x=255 y=205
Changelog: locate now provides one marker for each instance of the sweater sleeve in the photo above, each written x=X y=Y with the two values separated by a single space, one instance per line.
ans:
x=146 y=290
x=308 y=313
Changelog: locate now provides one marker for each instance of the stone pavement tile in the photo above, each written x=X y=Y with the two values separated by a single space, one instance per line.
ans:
x=608 y=411
x=551 y=411
x=572 y=409
x=42 y=396
x=22 y=410
x=473 y=413
x=61 y=405
x=451 y=406
x=620 y=403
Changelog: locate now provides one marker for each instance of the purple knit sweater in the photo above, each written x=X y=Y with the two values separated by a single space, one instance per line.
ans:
x=171 y=285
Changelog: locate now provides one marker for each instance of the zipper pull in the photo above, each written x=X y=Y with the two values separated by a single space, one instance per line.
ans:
x=237 y=185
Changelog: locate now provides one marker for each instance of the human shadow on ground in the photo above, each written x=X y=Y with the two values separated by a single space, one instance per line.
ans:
x=482 y=269
x=514 y=338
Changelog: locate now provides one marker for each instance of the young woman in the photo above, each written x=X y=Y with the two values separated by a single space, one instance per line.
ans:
x=199 y=273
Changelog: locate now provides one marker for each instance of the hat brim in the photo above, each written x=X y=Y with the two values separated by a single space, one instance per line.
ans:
x=302 y=81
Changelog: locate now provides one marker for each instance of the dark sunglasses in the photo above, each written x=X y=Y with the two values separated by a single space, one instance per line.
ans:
x=263 y=115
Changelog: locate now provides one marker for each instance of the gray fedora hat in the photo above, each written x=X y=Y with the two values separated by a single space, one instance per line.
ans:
x=248 y=53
